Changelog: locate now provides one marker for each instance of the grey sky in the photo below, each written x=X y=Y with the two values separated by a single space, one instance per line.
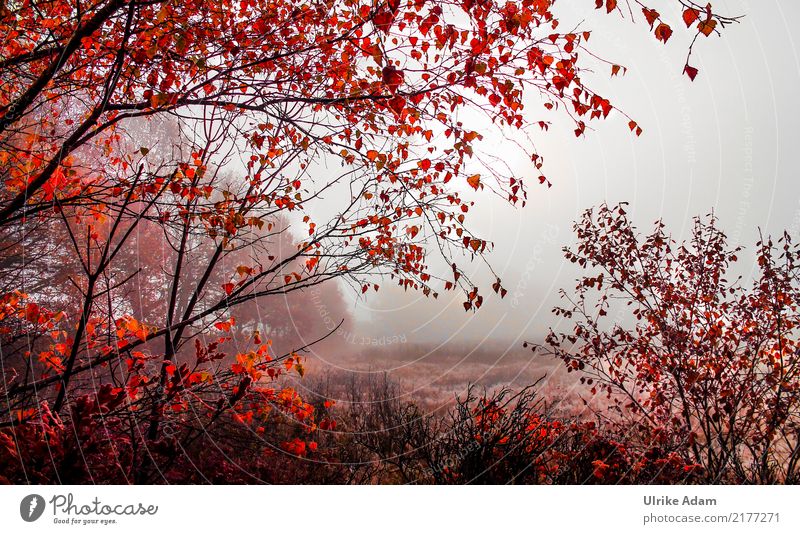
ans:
x=724 y=142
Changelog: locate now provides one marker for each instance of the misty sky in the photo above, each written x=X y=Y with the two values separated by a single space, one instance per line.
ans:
x=724 y=142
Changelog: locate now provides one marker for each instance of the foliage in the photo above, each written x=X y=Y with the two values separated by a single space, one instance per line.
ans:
x=156 y=156
x=707 y=363
x=496 y=436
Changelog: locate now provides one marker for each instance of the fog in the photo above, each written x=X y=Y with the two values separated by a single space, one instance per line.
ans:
x=723 y=143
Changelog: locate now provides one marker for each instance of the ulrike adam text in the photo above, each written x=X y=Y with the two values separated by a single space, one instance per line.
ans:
x=652 y=500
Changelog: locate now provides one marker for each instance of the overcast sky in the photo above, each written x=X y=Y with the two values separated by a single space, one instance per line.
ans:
x=726 y=142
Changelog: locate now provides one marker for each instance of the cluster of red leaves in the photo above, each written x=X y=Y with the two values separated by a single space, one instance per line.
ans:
x=704 y=20
x=556 y=450
x=502 y=438
x=706 y=361
x=95 y=445
x=377 y=81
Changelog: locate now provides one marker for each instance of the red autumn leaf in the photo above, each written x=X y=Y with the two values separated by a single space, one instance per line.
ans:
x=416 y=98
x=383 y=19
x=706 y=27
x=690 y=15
x=427 y=23
x=651 y=15
x=225 y=326
x=392 y=78
x=635 y=128
x=32 y=312
x=690 y=71
x=397 y=104
x=663 y=32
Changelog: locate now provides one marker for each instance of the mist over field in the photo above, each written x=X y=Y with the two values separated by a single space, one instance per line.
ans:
x=723 y=144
